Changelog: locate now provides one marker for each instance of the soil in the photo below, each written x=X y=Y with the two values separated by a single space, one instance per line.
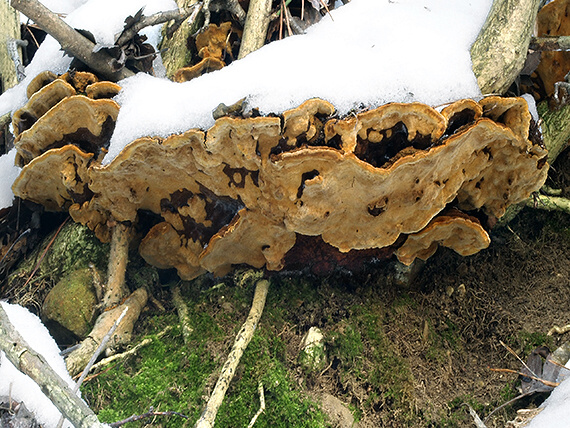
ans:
x=511 y=293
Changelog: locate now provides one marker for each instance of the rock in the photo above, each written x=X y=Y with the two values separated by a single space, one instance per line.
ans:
x=70 y=306
x=312 y=356
x=338 y=413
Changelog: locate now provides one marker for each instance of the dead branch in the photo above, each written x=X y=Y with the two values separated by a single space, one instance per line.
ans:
x=261 y=405
x=553 y=43
x=543 y=381
x=132 y=351
x=228 y=370
x=149 y=21
x=549 y=203
x=148 y=414
x=255 y=28
x=32 y=364
x=500 y=50
x=73 y=42
x=77 y=360
x=116 y=289
x=182 y=310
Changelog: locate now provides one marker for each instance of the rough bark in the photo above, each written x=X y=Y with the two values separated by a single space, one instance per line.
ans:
x=116 y=290
x=559 y=43
x=228 y=370
x=500 y=50
x=256 y=25
x=177 y=54
x=32 y=364
x=10 y=20
x=555 y=129
x=73 y=42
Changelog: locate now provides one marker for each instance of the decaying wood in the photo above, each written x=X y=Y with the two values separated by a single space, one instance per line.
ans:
x=149 y=21
x=105 y=361
x=79 y=358
x=34 y=365
x=255 y=28
x=228 y=370
x=75 y=43
x=557 y=43
x=499 y=53
x=116 y=290
x=549 y=203
x=555 y=129
x=175 y=42
x=10 y=20
x=182 y=310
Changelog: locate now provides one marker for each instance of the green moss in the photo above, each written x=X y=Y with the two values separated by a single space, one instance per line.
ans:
x=170 y=376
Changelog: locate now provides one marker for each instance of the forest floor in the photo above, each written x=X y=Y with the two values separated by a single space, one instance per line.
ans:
x=397 y=354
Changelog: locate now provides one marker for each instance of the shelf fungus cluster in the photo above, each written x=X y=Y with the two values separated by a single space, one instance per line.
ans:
x=402 y=177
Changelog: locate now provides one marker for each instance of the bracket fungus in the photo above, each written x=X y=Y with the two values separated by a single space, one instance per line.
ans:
x=244 y=190
x=454 y=230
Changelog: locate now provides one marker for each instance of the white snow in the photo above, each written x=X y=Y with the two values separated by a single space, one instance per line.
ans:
x=375 y=51
x=556 y=410
x=19 y=386
x=8 y=172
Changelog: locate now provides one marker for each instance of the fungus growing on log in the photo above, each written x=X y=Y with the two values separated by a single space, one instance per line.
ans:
x=212 y=45
x=552 y=20
x=245 y=189
x=454 y=230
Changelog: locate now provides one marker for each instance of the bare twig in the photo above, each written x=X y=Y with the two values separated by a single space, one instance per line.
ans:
x=45 y=252
x=116 y=289
x=261 y=405
x=131 y=351
x=182 y=310
x=228 y=370
x=543 y=381
x=558 y=330
x=148 y=414
x=149 y=21
x=53 y=386
x=73 y=42
x=94 y=357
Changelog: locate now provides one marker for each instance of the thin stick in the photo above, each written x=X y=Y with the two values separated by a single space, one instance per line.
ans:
x=261 y=405
x=54 y=387
x=94 y=357
x=545 y=382
x=131 y=351
x=182 y=310
x=228 y=370
x=518 y=358
x=45 y=252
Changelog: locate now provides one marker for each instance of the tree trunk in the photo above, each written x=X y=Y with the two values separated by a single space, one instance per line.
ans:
x=10 y=20
x=500 y=50
x=177 y=54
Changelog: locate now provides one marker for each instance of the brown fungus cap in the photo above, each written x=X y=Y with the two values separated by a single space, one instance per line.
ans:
x=80 y=80
x=40 y=103
x=455 y=230
x=302 y=124
x=207 y=65
x=553 y=20
x=104 y=89
x=56 y=179
x=396 y=125
x=38 y=82
x=74 y=120
x=239 y=193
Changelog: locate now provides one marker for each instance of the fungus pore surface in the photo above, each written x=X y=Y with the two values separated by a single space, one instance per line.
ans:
x=245 y=189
